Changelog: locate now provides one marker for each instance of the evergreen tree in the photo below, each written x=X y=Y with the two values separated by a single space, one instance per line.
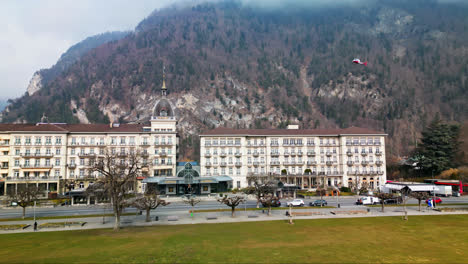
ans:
x=439 y=146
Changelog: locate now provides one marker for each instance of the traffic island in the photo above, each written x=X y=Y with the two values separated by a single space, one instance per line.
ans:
x=350 y=212
x=61 y=224
x=13 y=227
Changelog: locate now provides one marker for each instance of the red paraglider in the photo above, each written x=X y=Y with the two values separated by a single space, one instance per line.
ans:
x=358 y=61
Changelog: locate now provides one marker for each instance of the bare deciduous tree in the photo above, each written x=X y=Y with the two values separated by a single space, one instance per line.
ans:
x=149 y=201
x=383 y=196
x=192 y=201
x=118 y=174
x=268 y=200
x=261 y=186
x=25 y=196
x=321 y=192
x=232 y=202
x=420 y=196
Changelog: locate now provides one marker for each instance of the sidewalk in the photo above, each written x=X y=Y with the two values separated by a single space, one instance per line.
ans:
x=222 y=217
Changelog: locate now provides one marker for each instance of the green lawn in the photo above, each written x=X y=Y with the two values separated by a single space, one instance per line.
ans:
x=422 y=239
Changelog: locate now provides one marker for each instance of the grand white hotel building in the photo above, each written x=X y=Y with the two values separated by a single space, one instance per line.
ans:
x=52 y=155
x=304 y=157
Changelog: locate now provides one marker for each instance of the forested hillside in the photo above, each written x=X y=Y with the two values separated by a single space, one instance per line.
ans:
x=239 y=66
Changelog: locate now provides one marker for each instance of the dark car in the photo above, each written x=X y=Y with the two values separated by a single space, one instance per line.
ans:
x=391 y=201
x=276 y=203
x=318 y=202
x=437 y=200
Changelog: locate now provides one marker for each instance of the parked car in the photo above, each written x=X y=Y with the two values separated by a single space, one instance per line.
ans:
x=437 y=200
x=391 y=201
x=296 y=202
x=318 y=202
x=367 y=200
x=275 y=203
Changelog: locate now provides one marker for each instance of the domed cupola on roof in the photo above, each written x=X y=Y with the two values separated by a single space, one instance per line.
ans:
x=163 y=108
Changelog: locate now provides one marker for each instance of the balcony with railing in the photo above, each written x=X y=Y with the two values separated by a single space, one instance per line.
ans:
x=363 y=153
x=299 y=162
x=256 y=163
x=286 y=153
x=163 y=143
x=377 y=143
x=364 y=162
x=274 y=144
x=299 y=153
x=349 y=153
x=87 y=155
x=328 y=153
x=292 y=153
x=36 y=166
x=256 y=154
x=207 y=154
x=349 y=163
x=274 y=154
x=274 y=163
x=311 y=162
x=329 y=163
x=36 y=155
x=223 y=164
x=378 y=162
x=71 y=166
x=311 y=153
x=144 y=144
x=237 y=154
x=33 y=178
x=208 y=164
x=378 y=153
x=238 y=163
x=310 y=144
x=349 y=143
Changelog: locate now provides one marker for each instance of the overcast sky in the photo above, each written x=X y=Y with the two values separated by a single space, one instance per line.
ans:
x=34 y=33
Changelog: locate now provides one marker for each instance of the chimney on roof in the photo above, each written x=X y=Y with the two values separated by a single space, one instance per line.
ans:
x=293 y=127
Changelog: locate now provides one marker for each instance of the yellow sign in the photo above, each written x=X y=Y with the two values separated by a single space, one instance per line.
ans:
x=206 y=181
x=169 y=182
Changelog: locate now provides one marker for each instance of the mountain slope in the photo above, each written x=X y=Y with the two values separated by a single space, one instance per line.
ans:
x=73 y=54
x=236 y=66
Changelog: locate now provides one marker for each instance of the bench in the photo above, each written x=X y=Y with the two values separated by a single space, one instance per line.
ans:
x=252 y=216
x=172 y=218
x=301 y=213
x=211 y=217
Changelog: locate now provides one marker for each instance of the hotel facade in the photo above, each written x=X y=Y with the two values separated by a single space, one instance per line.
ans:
x=306 y=158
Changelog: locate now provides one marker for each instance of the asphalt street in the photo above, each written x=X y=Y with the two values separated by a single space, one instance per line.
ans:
x=178 y=206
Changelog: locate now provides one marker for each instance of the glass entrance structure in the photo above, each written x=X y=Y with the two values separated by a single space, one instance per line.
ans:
x=188 y=181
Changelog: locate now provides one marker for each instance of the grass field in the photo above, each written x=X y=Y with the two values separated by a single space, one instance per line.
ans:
x=422 y=239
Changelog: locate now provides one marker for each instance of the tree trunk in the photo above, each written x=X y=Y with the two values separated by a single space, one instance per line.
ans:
x=269 y=210
x=148 y=214
x=233 y=211
x=419 y=203
x=383 y=206
x=24 y=211
x=258 y=202
x=321 y=198
x=406 y=213
x=117 y=214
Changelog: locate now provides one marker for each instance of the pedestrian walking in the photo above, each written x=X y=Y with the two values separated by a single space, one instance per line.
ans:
x=35 y=226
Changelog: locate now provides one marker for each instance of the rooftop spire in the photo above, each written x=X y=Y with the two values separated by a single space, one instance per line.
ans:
x=163 y=88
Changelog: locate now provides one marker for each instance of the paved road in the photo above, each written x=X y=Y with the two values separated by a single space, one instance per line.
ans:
x=178 y=207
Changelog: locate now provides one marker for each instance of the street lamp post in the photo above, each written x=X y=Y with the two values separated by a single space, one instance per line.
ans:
x=433 y=189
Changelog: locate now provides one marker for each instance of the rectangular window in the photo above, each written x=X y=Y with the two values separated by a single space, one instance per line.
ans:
x=238 y=185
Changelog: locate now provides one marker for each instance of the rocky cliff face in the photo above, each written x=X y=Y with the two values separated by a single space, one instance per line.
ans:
x=228 y=65
x=35 y=84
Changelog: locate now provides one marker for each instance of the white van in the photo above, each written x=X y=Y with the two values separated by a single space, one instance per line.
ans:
x=366 y=200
